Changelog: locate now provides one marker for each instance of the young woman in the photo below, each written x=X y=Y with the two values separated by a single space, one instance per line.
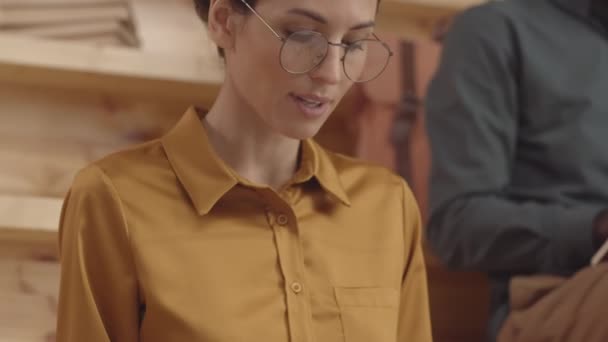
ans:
x=236 y=226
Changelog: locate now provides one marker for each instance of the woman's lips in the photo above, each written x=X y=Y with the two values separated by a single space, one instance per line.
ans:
x=310 y=105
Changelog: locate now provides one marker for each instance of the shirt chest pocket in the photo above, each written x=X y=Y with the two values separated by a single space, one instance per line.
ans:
x=368 y=314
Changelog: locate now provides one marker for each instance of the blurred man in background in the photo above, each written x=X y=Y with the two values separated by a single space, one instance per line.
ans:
x=518 y=122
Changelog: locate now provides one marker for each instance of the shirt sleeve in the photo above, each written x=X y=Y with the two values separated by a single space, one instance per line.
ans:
x=473 y=108
x=98 y=299
x=414 y=312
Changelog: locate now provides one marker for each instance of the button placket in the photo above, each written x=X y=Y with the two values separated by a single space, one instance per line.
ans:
x=282 y=220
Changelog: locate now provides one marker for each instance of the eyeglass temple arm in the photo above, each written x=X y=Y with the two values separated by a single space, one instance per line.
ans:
x=390 y=51
x=262 y=19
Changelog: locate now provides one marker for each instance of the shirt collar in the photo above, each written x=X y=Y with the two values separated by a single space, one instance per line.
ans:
x=206 y=178
x=317 y=162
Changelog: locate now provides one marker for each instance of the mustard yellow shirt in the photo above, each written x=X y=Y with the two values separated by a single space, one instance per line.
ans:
x=164 y=243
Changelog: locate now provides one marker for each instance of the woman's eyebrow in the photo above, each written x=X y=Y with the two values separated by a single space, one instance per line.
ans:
x=319 y=18
x=309 y=14
x=363 y=25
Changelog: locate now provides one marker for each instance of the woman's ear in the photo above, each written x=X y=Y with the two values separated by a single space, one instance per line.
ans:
x=220 y=23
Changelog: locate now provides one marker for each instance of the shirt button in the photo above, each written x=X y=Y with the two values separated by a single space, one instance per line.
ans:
x=296 y=287
x=282 y=220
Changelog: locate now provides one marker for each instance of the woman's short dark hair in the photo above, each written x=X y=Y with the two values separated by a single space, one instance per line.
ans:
x=202 y=9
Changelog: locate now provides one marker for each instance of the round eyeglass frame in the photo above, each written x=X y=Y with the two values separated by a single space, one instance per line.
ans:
x=329 y=44
x=326 y=52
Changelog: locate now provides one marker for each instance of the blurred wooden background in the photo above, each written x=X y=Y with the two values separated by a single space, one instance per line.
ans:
x=82 y=78
x=104 y=22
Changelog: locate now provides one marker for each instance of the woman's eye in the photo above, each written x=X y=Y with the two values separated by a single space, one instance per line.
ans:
x=352 y=40
x=289 y=32
x=348 y=42
x=355 y=45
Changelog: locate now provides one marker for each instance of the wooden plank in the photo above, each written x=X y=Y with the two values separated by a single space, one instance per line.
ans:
x=424 y=8
x=416 y=19
x=29 y=296
x=26 y=318
x=57 y=3
x=46 y=167
x=431 y=6
x=36 y=16
x=28 y=243
x=69 y=30
x=61 y=117
x=110 y=70
x=105 y=40
x=128 y=36
x=29 y=226
x=46 y=135
x=459 y=304
x=28 y=276
x=33 y=213
x=171 y=27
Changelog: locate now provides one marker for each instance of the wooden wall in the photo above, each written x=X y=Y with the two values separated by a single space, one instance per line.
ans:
x=57 y=116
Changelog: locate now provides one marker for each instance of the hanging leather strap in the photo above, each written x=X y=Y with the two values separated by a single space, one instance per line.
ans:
x=407 y=111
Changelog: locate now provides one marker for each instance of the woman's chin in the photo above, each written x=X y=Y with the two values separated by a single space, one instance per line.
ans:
x=302 y=132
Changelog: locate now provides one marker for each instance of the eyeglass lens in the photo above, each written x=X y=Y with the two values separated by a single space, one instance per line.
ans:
x=304 y=50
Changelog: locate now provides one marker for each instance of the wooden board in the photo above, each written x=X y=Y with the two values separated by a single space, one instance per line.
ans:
x=47 y=135
x=172 y=27
x=35 y=213
x=69 y=30
x=99 y=22
x=57 y=3
x=175 y=59
x=122 y=72
x=37 y=16
x=419 y=19
x=459 y=304
x=28 y=227
x=28 y=293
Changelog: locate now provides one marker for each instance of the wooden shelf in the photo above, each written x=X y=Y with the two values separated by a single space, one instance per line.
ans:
x=29 y=295
x=28 y=226
x=112 y=70
x=418 y=19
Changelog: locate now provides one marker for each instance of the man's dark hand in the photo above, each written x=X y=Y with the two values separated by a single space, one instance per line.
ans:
x=600 y=229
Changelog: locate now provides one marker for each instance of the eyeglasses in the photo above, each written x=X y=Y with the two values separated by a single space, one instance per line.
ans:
x=303 y=51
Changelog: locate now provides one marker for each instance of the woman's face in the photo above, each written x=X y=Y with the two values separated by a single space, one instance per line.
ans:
x=295 y=106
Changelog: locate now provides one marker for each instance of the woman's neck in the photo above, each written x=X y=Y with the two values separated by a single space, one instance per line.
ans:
x=248 y=145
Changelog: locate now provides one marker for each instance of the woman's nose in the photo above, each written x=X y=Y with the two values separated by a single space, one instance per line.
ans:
x=330 y=69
